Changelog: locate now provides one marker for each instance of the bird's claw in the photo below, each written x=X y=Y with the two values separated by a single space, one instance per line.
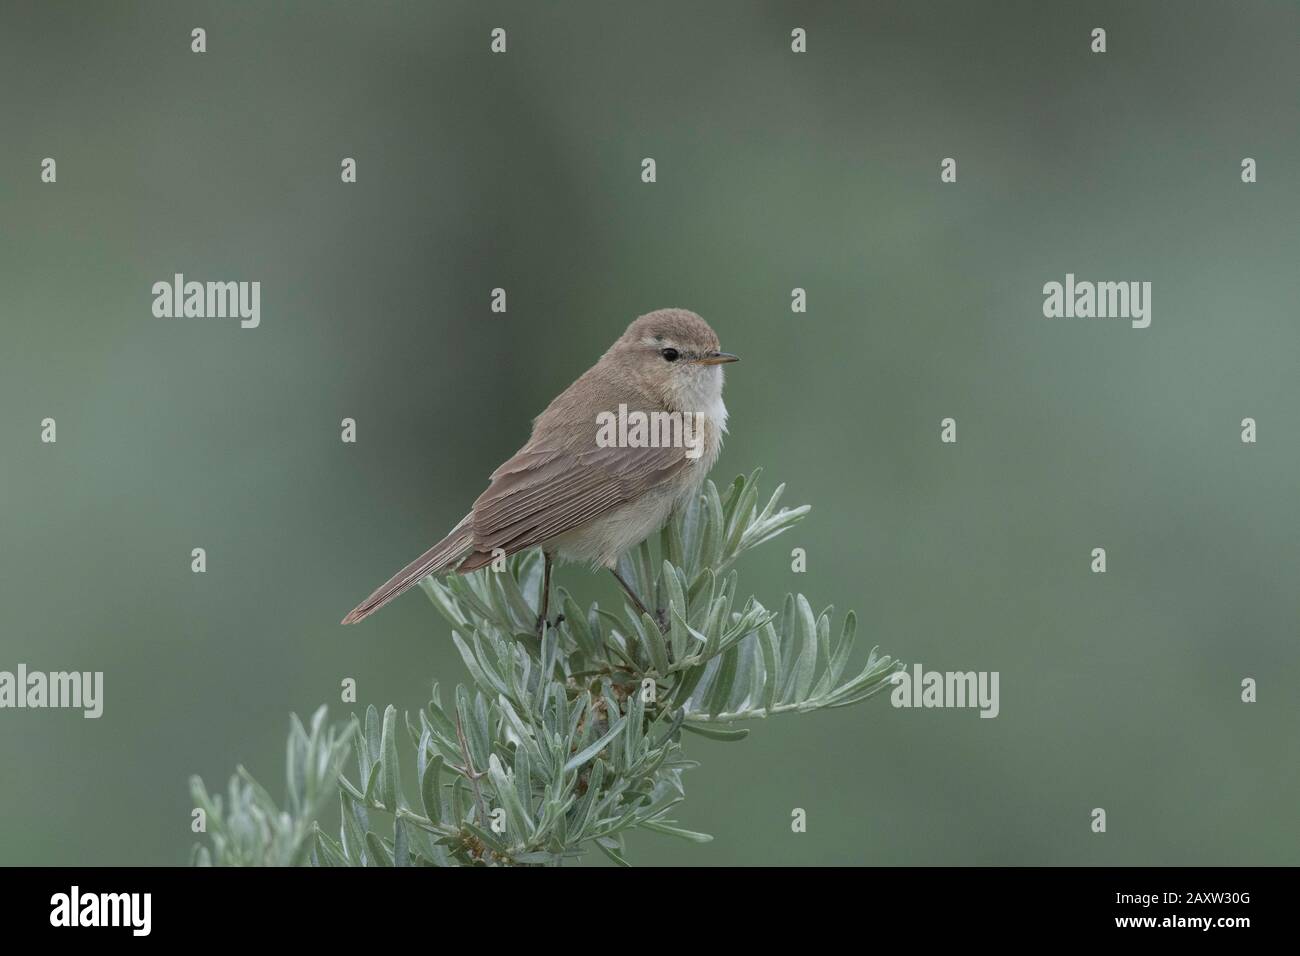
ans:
x=550 y=625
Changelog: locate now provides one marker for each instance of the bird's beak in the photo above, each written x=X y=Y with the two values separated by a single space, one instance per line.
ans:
x=717 y=358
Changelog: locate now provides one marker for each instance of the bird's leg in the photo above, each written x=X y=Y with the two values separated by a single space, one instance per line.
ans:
x=546 y=597
x=546 y=592
x=632 y=596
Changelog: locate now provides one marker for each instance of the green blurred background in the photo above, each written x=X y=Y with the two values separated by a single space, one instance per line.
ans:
x=775 y=170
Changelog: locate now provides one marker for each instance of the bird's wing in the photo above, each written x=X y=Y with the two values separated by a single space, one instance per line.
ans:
x=541 y=493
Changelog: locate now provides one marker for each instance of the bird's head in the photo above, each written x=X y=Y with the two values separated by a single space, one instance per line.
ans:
x=676 y=353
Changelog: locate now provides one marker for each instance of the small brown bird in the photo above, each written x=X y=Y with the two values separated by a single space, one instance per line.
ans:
x=583 y=489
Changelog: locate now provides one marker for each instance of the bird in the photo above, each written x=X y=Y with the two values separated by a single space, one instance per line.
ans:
x=572 y=492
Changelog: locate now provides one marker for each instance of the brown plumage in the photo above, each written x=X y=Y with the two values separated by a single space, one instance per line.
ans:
x=573 y=498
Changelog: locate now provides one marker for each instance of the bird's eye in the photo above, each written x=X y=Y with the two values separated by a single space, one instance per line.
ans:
x=669 y=354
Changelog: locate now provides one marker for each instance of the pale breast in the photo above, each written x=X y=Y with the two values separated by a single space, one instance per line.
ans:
x=602 y=540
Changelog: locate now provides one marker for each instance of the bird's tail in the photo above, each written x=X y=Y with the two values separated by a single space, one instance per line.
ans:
x=443 y=556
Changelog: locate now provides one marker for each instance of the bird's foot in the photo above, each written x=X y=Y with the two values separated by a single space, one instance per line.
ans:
x=550 y=625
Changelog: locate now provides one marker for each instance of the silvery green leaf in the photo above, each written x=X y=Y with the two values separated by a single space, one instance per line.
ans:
x=523 y=612
x=872 y=679
x=582 y=814
x=613 y=851
x=731 y=499
x=401 y=847
x=390 y=786
x=789 y=643
x=429 y=780
x=351 y=789
x=454 y=801
x=377 y=854
x=806 y=667
x=557 y=702
x=481 y=727
x=328 y=852
x=535 y=857
x=690 y=534
x=713 y=625
x=700 y=596
x=740 y=516
x=773 y=526
x=669 y=543
x=691 y=650
x=633 y=727
x=442 y=598
x=770 y=508
x=580 y=628
x=425 y=847
x=751 y=649
x=296 y=757
x=256 y=793
x=715 y=732
x=352 y=830
x=475 y=667
x=720 y=692
x=645 y=576
x=413 y=730
x=579 y=713
x=517 y=816
x=462 y=589
x=524 y=776
x=844 y=648
x=441 y=725
x=823 y=653
x=771 y=664
x=688 y=682
x=522 y=731
x=527 y=569
x=676 y=600
x=714 y=526
x=590 y=751
x=372 y=784
x=503 y=612
x=653 y=642
x=465 y=718
x=668 y=828
x=374 y=730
